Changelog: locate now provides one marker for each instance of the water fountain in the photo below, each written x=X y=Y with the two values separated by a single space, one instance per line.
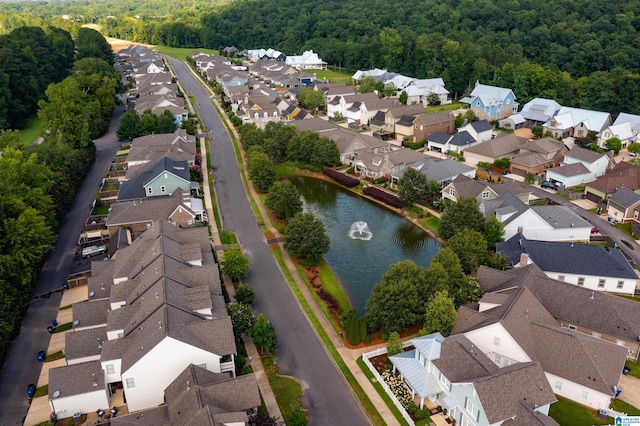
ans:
x=360 y=231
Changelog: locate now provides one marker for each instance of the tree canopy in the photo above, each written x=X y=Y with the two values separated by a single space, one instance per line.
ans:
x=305 y=236
x=460 y=215
x=440 y=315
x=284 y=199
x=234 y=264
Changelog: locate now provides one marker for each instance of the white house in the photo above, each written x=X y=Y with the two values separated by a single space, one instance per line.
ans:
x=626 y=128
x=590 y=266
x=512 y=324
x=576 y=122
x=546 y=222
x=79 y=388
x=579 y=166
x=308 y=60
x=453 y=373
x=480 y=130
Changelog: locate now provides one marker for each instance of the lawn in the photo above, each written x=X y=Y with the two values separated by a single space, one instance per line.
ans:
x=287 y=391
x=624 y=227
x=31 y=131
x=634 y=366
x=333 y=76
x=63 y=327
x=432 y=223
x=54 y=356
x=448 y=107
x=180 y=53
x=285 y=170
x=623 y=407
x=569 y=413
x=41 y=391
x=102 y=211
x=228 y=237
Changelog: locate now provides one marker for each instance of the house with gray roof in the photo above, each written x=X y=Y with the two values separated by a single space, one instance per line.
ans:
x=523 y=316
x=78 y=388
x=580 y=166
x=590 y=266
x=471 y=386
x=543 y=222
x=442 y=171
x=159 y=304
x=493 y=149
x=362 y=112
x=479 y=130
x=624 y=206
x=458 y=142
x=626 y=128
x=538 y=111
x=467 y=187
x=160 y=179
x=576 y=122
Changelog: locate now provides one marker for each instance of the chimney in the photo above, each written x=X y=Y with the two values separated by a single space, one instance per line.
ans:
x=524 y=259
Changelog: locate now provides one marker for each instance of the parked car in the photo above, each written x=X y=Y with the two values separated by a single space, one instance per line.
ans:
x=93 y=251
x=31 y=389
x=549 y=185
x=626 y=370
x=595 y=230
x=41 y=356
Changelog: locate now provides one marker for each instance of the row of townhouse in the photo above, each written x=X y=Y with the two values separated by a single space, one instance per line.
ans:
x=155 y=330
x=154 y=88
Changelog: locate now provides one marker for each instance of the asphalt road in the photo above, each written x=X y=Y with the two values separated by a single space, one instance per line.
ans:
x=299 y=351
x=21 y=366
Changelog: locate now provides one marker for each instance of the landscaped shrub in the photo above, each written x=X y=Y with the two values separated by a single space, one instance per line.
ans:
x=363 y=328
x=414 y=145
x=380 y=180
x=383 y=196
x=353 y=330
x=332 y=302
x=398 y=388
x=341 y=178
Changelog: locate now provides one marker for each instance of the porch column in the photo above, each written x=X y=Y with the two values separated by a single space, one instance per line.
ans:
x=421 y=403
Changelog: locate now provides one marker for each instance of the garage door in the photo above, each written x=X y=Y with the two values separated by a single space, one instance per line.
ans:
x=518 y=172
x=594 y=197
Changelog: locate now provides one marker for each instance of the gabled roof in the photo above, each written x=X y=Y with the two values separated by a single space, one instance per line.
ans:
x=540 y=109
x=439 y=138
x=134 y=187
x=499 y=147
x=504 y=205
x=569 y=258
x=560 y=217
x=439 y=170
x=76 y=379
x=467 y=187
x=624 y=197
x=623 y=175
x=481 y=126
x=585 y=155
x=491 y=95
x=435 y=118
x=569 y=170
x=315 y=124
x=569 y=117
x=462 y=139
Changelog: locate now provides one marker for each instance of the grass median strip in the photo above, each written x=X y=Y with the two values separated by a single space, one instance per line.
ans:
x=371 y=410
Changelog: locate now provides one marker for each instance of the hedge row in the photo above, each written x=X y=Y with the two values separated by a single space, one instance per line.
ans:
x=341 y=178
x=383 y=196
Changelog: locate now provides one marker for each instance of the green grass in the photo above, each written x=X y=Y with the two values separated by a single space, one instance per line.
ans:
x=113 y=186
x=432 y=223
x=54 y=356
x=569 y=413
x=31 y=131
x=624 y=227
x=287 y=391
x=285 y=170
x=334 y=76
x=384 y=395
x=103 y=210
x=624 y=407
x=65 y=307
x=634 y=366
x=63 y=327
x=449 y=107
x=180 y=53
x=228 y=237
x=368 y=406
x=41 y=391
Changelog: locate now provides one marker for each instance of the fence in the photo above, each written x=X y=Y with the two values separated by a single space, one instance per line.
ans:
x=365 y=358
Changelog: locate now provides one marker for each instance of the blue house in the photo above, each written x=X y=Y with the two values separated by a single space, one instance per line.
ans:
x=491 y=103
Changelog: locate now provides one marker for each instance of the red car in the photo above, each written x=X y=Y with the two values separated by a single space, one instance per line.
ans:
x=595 y=230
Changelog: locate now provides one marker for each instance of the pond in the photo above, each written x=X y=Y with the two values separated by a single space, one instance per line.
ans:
x=366 y=238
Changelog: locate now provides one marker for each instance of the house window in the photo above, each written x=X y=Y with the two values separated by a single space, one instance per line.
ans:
x=558 y=385
x=110 y=369
x=580 y=281
x=131 y=383
x=498 y=359
x=584 y=395
x=601 y=282
x=204 y=365
x=560 y=277
x=496 y=341
x=452 y=191
x=465 y=422
x=572 y=327
x=149 y=190
x=505 y=362
x=620 y=285
x=485 y=195
x=163 y=189
x=635 y=214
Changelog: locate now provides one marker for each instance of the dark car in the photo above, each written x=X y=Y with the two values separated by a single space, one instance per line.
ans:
x=31 y=389
x=549 y=185
x=41 y=356
x=626 y=370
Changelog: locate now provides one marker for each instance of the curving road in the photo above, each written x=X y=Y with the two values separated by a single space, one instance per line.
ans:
x=299 y=351
x=21 y=366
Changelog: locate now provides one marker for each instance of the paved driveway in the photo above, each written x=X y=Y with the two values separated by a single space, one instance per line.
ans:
x=630 y=390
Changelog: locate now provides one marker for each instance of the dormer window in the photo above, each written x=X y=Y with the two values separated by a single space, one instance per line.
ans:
x=486 y=194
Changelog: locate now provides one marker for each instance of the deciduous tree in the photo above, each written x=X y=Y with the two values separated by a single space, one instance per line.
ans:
x=305 y=236
x=440 y=315
x=394 y=344
x=261 y=171
x=470 y=247
x=413 y=186
x=263 y=334
x=460 y=215
x=284 y=199
x=242 y=318
x=234 y=264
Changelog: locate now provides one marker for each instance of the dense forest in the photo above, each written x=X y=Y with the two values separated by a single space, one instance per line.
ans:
x=579 y=52
x=38 y=183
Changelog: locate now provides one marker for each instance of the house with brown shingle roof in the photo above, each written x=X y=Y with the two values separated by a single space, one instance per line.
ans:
x=623 y=175
x=493 y=149
x=535 y=156
x=159 y=302
x=471 y=386
x=384 y=161
x=424 y=125
x=525 y=316
x=463 y=186
x=78 y=388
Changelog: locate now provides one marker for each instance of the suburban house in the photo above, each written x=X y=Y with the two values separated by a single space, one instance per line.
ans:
x=349 y=142
x=542 y=222
x=362 y=112
x=269 y=54
x=376 y=73
x=339 y=105
x=525 y=316
x=591 y=266
x=490 y=102
x=579 y=166
x=419 y=91
x=386 y=161
x=308 y=60
x=331 y=90
x=480 y=130
x=454 y=373
x=624 y=206
x=78 y=388
x=623 y=175
x=536 y=112
x=464 y=186
x=536 y=156
x=440 y=170
x=494 y=149
x=458 y=142
x=258 y=108
x=180 y=208
x=393 y=115
x=626 y=128
x=160 y=179
x=576 y=122
x=179 y=146
x=424 y=125
x=158 y=103
x=160 y=303
x=201 y=397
